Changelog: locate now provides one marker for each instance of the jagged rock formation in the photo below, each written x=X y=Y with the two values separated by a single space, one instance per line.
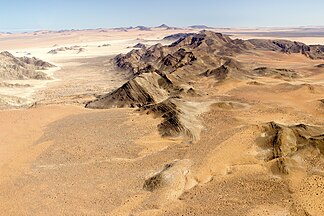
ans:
x=12 y=67
x=231 y=68
x=40 y=64
x=287 y=142
x=139 y=45
x=185 y=51
x=179 y=59
x=154 y=59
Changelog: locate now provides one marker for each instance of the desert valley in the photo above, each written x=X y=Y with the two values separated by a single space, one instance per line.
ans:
x=162 y=121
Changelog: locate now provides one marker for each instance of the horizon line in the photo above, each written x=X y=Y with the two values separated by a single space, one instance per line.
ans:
x=31 y=30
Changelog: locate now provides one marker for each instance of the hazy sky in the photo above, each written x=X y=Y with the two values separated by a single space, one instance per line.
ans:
x=78 y=14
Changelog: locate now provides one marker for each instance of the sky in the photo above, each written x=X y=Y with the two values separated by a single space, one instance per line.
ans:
x=83 y=14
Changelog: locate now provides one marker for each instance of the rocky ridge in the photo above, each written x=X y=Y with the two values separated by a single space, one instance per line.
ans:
x=12 y=67
x=161 y=73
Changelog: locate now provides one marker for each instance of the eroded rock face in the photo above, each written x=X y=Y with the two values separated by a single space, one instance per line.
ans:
x=12 y=67
x=155 y=59
x=287 y=142
x=177 y=36
x=231 y=68
x=188 y=49
x=140 y=45
x=145 y=89
x=178 y=119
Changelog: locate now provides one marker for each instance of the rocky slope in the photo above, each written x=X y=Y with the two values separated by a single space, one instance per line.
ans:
x=289 y=143
x=145 y=89
x=12 y=67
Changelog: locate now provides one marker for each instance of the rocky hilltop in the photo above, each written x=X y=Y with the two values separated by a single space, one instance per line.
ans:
x=12 y=67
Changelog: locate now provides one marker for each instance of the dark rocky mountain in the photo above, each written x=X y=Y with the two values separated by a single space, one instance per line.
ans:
x=163 y=26
x=199 y=27
x=186 y=50
x=177 y=36
x=143 y=28
x=139 y=45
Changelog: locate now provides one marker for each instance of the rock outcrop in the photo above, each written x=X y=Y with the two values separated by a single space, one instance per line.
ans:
x=179 y=118
x=177 y=36
x=12 y=67
x=231 y=68
x=76 y=48
x=171 y=177
x=276 y=72
x=140 y=46
x=290 y=142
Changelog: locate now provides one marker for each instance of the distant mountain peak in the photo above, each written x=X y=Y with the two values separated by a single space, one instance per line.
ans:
x=199 y=27
x=163 y=26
